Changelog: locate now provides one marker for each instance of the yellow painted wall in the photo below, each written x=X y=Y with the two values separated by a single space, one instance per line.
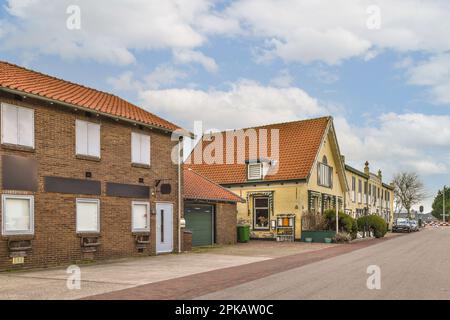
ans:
x=290 y=197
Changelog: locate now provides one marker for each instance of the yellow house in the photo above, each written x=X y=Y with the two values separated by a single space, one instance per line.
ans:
x=305 y=174
x=368 y=194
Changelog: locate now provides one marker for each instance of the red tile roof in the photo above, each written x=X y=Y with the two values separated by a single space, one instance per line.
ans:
x=299 y=143
x=31 y=82
x=197 y=187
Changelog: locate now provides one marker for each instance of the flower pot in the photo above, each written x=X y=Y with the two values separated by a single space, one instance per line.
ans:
x=327 y=240
x=309 y=240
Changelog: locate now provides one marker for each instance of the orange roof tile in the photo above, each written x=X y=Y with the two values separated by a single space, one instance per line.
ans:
x=17 y=78
x=299 y=142
x=197 y=187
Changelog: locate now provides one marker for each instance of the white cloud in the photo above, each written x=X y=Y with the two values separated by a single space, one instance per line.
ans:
x=190 y=56
x=410 y=141
x=161 y=76
x=246 y=103
x=283 y=79
x=433 y=73
x=332 y=31
x=110 y=30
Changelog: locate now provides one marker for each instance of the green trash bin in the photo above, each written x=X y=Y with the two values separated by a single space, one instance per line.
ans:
x=243 y=234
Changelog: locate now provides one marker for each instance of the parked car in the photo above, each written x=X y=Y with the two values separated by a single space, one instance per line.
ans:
x=414 y=225
x=402 y=225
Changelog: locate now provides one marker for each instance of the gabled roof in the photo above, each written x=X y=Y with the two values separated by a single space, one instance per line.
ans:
x=15 y=78
x=197 y=187
x=299 y=143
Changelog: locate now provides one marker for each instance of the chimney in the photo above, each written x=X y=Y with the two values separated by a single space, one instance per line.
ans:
x=380 y=175
x=366 y=168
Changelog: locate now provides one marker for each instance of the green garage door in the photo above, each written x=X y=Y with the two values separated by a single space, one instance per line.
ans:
x=199 y=220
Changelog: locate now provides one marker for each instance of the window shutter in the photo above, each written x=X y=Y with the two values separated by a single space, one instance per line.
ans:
x=145 y=149
x=93 y=139
x=9 y=124
x=81 y=137
x=135 y=148
x=87 y=216
x=26 y=127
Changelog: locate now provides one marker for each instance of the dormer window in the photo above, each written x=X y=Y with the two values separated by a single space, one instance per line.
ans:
x=254 y=171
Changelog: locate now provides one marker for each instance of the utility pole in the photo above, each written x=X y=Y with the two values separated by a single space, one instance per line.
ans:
x=443 y=206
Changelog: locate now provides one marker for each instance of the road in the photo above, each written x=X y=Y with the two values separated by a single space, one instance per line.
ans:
x=414 y=266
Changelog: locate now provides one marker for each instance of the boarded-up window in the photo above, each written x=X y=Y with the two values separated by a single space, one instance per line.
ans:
x=140 y=216
x=87 y=138
x=88 y=215
x=18 y=214
x=140 y=148
x=17 y=125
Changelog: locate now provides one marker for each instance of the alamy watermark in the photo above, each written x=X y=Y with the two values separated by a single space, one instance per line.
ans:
x=373 y=22
x=73 y=21
x=74 y=279
x=374 y=280
x=243 y=146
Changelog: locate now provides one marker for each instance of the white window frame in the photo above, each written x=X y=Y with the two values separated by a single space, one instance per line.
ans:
x=260 y=171
x=140 y=136
x=261 y=208
x=88 y=123
x=147 y=204
x=2 y=105
x=87 y=200
x=18 y=232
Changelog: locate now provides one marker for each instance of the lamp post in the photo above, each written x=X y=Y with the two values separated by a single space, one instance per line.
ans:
x=337 y=215
x=443 y=206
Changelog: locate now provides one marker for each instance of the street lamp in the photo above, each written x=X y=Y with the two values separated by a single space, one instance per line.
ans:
x=443 y=206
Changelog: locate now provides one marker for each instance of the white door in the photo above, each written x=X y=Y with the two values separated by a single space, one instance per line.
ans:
x=164 y=227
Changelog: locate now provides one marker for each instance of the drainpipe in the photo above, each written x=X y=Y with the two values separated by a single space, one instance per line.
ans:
x=179 y=194
x=337 y=215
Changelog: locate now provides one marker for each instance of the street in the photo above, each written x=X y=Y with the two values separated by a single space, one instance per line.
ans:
x=414 y=266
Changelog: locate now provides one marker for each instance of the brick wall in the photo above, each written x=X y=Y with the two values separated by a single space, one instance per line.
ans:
x=55 y=241
x=226 y=220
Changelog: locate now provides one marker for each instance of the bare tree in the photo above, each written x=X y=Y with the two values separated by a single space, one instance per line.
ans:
x=409 y=190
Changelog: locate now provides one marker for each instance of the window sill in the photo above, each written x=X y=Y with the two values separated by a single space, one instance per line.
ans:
x=139 y=165
x=87 y=158
x=140 y=233
x=18 y=148
x=18 y=237
x=84 y=234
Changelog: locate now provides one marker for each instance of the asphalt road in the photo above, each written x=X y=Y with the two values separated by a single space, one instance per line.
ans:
x=414 y=266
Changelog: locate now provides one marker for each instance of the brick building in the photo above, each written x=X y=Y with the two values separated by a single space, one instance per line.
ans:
x=84 y=174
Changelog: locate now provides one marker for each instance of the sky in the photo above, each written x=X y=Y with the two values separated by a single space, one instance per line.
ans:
x=380 y=68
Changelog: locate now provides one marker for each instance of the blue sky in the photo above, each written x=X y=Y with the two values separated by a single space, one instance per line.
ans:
x=381 y=68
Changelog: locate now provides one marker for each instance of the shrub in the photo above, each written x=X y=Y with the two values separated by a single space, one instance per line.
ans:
x=375 y=224
x=346 y=222
x=342 y=237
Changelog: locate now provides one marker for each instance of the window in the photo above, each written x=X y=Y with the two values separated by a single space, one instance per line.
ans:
x=324 y=174
x=359 y=190
x=254 y=171
x=353 y=189
x=261 y=213
x=18 y=215
x=365 y=192
x=87 y=138
x=140 y=216
x=17 y=125
x=88 y=215
x=140 y=148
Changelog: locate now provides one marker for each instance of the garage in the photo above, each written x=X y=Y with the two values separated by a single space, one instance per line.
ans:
x=210 y=211
x=200 y=221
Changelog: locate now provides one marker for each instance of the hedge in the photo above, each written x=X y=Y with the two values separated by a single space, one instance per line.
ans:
x=346 y=222
x=375 y=224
